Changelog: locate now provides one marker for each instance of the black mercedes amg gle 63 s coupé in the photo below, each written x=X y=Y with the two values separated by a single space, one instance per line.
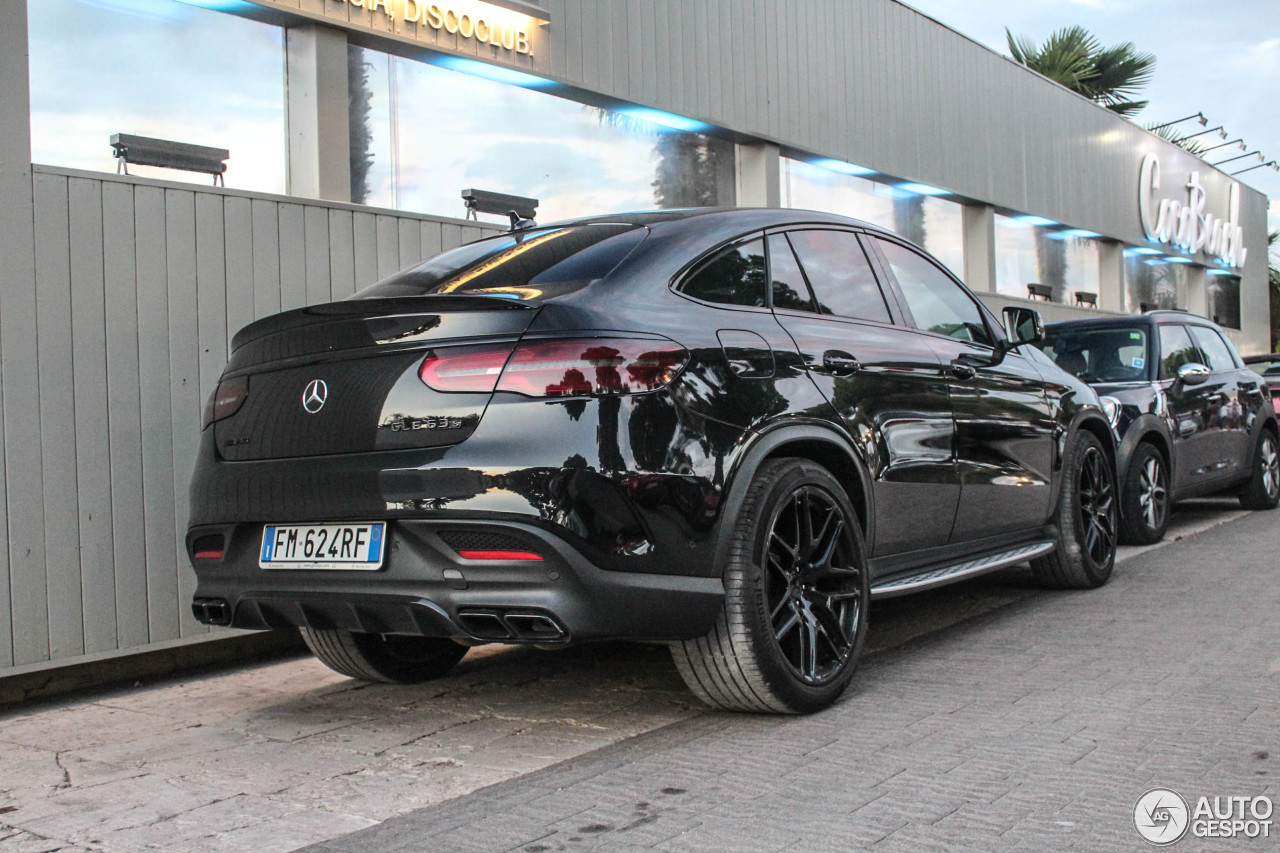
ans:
x=730 y=430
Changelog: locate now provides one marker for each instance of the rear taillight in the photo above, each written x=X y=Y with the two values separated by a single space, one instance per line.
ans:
x=226 y=399
x=575 y=367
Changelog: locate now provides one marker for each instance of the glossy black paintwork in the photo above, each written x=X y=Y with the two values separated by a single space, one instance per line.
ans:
x=937 y=463
x=1207 y=432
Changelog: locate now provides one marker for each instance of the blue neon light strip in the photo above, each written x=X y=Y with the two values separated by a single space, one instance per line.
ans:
x=842 y=167
x=497 y=73
x=920 y=189
x=665 y=119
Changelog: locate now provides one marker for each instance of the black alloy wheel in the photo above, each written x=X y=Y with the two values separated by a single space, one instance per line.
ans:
x=796 y=596
x=813 y=586
x=1145 y=503
x=1262 y=491
x=1087 y=519
x=1097 y=506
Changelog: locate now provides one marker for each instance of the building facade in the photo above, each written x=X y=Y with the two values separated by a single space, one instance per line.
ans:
x=353 y=125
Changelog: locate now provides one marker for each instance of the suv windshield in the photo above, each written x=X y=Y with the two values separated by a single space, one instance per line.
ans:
x=1113 y=354
x=536 y=264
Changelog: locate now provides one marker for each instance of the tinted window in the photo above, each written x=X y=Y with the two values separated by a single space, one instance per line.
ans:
x=936 y=302
x=1216 y=355
x=786 y=280
x=538 y=264
x=1176 y=350
x=1099 y=355
x=840 y=274
x=736 y=277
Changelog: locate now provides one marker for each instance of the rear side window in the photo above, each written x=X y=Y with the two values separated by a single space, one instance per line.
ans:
x=840 y=274
x=1107 y=354
x=538 y=264
x=734 y=277
x=1217 y=356
x=790 y=291
x=1176 y=350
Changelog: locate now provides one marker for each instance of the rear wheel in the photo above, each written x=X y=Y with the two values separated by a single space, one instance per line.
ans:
x=1144 y=515
x=1263 y=489
x=383 y=657
x=1087 y=519
x=796 y=594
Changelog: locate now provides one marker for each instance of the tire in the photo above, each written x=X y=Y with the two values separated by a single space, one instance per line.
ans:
x=388 y=658
x=796 y=595
x=1087 y=520
x=1144 y=499
x=1262 y=491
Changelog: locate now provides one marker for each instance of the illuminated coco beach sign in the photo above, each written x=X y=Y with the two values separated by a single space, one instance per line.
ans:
x=1183 y=223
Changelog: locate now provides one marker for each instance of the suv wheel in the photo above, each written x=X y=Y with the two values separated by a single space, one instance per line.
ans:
x=383 y=657
x=796 y=594
x=1144 y=513
x=1262 y=491
x=1087 y=520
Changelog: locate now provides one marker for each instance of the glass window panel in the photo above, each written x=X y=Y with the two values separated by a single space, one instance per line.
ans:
x=790 y=291
x=1099 y=355
x=1030 y=254
x=434 y=132
x=162 y=69
x=1176 y=350
x=928 y=221
x=1216 y=354
x=936 y=302
x=1224 y=300
x=840 y=274
x=736 y=277
x=1153 y=283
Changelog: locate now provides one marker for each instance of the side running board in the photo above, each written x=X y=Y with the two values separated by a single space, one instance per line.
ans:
x=939 y=576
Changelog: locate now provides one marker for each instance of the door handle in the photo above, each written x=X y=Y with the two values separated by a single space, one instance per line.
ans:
x=1251 y=390
x=960 y=370
x=839 y=363
x=1215 y=399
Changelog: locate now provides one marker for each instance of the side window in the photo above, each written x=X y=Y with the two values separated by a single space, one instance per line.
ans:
x=736 y=277
x=1217 y=356
x=1176 y=350
x=840 y=274
x=937 y=303
x=787 y=281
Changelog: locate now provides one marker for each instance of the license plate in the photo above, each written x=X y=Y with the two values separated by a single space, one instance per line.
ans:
x=352 y=547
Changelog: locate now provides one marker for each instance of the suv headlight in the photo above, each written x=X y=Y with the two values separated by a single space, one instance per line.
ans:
x=1111 y=406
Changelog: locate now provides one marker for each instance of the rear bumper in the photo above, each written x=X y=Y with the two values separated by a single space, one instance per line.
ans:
x=426 y=589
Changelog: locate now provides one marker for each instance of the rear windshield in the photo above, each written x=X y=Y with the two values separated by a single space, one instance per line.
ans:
x=538 y=264
x=1100 y=355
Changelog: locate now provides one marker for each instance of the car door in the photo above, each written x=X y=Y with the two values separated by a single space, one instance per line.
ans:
x=1005 y=426
x=1238 y=388
x=885 y=383
x=1193 y=412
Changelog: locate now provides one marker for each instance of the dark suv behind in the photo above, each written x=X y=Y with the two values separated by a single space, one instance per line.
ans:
x=728 y=430
x=1192 y=419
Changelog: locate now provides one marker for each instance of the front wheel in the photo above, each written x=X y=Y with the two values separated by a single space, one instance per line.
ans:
x=1086 y=519
x=383 y=657
x=1263 y=489
x=1145 y=498
x=796 y=594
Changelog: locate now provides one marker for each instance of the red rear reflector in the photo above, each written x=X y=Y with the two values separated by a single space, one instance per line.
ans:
x=591 y=367
x=499 y=555
x=462 y=369
x=226 y=399
x=209 y=555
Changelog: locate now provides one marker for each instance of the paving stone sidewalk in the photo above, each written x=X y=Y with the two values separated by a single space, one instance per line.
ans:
x=1034 y=727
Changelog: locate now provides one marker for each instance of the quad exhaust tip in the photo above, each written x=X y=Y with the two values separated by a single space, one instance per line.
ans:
x=513 y=626
x=211 y=611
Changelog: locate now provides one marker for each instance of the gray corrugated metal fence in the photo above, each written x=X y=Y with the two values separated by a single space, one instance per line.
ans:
x=139 y=286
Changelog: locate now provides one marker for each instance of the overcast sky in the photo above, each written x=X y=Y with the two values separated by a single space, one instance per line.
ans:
x=1221 y=57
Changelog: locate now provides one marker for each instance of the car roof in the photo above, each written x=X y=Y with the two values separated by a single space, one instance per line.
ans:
x=1162 y=316
x=717 y=218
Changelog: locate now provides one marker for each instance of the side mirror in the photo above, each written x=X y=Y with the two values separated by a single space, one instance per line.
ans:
x=1192 y=373
x=1022 y=326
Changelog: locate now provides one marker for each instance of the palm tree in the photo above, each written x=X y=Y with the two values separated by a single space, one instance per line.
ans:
x=1191 y=146
x=1073 y=57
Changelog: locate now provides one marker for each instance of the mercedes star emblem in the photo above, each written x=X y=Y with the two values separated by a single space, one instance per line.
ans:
x=313 y=398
